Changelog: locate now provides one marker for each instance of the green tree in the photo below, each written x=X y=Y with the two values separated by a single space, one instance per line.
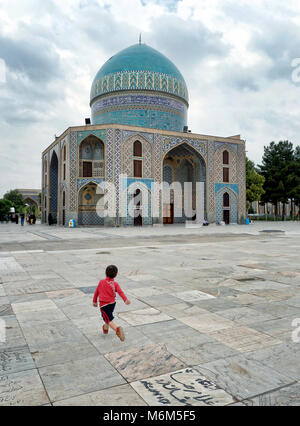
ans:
x=16 y=199
x=5 y=206
x=277 y=167
x=294 y=181
x=254 y=183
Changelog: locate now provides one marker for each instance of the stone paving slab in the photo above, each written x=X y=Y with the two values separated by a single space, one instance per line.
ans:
x=179 y=310
x=53 y=332
x=194 y=352
x=206 y=323
x=14 y=360
x=215 y=305
x=287 y=396
x=245 y=315
x=243 y=378
x=75 y=378
x=13 y=334
x=40 y=317
x=168 y=331
x=244 y=339
x=283 y=358
x=193 y=295
x=144 y=316
x=157 y=301
x=122 y=396
x=149 y=361
x=181 y=388
x=24 y=388
x=277 y=328
x=25 y=298
x=146 y=291
x=277 y=309
x=61 y=352
x=111 y=343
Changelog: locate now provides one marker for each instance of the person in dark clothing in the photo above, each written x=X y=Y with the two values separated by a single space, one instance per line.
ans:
x=50 y=219
x=33 y=219
x=22 y=216
x=17 y=219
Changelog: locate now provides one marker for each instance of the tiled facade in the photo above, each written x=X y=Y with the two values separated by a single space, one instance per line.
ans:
x=205 y=156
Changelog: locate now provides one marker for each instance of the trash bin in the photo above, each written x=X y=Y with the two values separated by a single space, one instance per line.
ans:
x=72 y=223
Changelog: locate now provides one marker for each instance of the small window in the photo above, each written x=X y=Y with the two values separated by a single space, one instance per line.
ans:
x=225 y=157
x=137 y=168
x=64 y=172
x=225 y=174
x=64 y=199
x=137 y=149
x=226 y=202
x=65 y=153
x=87 y=169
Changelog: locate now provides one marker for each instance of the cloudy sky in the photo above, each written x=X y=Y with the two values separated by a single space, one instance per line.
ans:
x=236 y=57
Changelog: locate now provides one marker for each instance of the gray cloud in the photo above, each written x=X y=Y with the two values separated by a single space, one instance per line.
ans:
x=188 y=44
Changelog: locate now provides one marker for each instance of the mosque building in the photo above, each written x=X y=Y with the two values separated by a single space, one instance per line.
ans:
x=138 y=128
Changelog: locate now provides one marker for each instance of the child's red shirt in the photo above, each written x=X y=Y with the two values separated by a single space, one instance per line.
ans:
x=106 y=292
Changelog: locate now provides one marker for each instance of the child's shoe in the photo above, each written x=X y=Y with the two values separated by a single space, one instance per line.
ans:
x=120 y=334
x=105 y=329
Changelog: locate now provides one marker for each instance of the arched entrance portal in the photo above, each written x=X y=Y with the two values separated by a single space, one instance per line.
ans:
x=53 y=187
x=33 y=206
x=183 y=164
x=90 y=205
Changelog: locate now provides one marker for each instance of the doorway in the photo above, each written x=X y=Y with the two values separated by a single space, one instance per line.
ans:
x=138 y=219
x=226 y=216
x=168 y=214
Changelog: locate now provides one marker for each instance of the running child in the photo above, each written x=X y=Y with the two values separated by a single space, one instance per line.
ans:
x=106 y=293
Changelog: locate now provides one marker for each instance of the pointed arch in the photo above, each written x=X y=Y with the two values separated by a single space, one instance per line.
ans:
x=91 y=154
x=54 y=167
x=90 y=204
x=188 y=165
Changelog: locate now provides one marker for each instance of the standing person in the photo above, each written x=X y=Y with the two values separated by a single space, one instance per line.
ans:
x=106 y=293
x=50 y=219
x=22 y=216
x=17 y=219
x=33 y=219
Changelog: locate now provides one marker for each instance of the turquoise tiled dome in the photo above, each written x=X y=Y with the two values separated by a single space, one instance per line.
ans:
x=140 y=86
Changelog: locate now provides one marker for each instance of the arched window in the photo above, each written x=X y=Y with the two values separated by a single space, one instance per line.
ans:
x=91 y=157
x=137 y=149
x=225 y=157
x=226 y=200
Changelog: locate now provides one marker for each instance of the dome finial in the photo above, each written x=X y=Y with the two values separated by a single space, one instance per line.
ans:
x=140 y=38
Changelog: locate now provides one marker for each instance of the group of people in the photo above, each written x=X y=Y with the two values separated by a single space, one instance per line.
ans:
x=30 y=219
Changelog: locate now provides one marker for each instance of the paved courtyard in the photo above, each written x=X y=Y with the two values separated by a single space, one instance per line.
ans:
x=211 y=319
